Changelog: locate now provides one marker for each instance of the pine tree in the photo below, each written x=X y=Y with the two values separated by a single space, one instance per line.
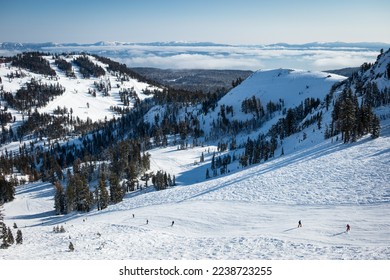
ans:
x=375 y=127
x=7 y=190
x=103 y=197
x=19 y=237
x=3 y=236
x=70 y=194
x=71 y=247
x=116 y=191
x=207 y=174
x=10 y=237
x=59 y=199
x=347 y=114
x=82 y=197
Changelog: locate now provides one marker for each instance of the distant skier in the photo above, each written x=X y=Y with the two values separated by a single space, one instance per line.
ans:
x=147 y=221
x=299 y=223
x=133 y=215
x=172 y=223
x=348 y=228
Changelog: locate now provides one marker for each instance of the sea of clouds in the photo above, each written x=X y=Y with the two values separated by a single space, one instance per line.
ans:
x=173 y=55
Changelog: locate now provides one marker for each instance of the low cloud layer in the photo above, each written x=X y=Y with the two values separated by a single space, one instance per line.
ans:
x=245 y=58
x=174 y=55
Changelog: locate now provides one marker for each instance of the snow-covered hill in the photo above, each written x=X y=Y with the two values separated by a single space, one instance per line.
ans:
x=77 y=95
x=249 y=211
x=252 y=214
x=290 y=86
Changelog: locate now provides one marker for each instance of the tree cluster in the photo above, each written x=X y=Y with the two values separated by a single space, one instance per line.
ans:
x=102 y=86
x=253 y=105
x=34 y=62
x=351 y=119
x=7 y=189
x=88 y=68
x=6 y=236
x=162 y=180
x=5 y=117
x=291 y=123
x=65 y=66
x=126 y=163
x=33 y=94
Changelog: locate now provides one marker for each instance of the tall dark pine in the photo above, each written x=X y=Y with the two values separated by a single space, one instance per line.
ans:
x=7 y=190
x=10 y=237
x=19 y=237
x=59 y=199
x=375 y=127
x=103 y=197
x=348 y=115
x=3 y=236
x=116 y=191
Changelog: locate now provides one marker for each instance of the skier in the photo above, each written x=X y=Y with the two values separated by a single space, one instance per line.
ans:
x=348 y=228
x=299 y=223
x=172 y=223
x=147 y=221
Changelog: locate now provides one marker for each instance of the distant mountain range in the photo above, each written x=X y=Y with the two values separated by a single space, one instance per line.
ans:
x=48 y=45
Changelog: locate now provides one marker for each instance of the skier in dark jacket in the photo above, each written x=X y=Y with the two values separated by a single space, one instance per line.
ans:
x=348 y=228
x=299 y=223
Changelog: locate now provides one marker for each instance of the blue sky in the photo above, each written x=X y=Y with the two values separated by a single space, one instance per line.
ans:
x=220 y=21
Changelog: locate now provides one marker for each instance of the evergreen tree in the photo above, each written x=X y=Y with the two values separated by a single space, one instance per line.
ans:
x=4 y=236
x=19 y=237
x=116 y=191
x=82 y=193
x=10 y=237
x=59 y=199
x=7 y=190
x=71 y=247
x=70 y=194
x=207 y=174
x=103 y=197
x=376 y=127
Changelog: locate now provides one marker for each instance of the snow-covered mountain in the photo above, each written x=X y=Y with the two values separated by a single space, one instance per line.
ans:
x=100 y=93
x=249 y=207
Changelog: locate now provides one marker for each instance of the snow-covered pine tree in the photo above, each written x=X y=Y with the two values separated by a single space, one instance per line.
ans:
x=10 y=237
x=3 y=236
x=19 y=237
x=71 y=247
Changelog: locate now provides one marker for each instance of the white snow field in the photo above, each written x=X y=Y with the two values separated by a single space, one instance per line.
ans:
x=247 y=214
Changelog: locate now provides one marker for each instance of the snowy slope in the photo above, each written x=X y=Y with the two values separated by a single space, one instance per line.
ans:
x=250 y=214
x=291 y=86
x=76 y=95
